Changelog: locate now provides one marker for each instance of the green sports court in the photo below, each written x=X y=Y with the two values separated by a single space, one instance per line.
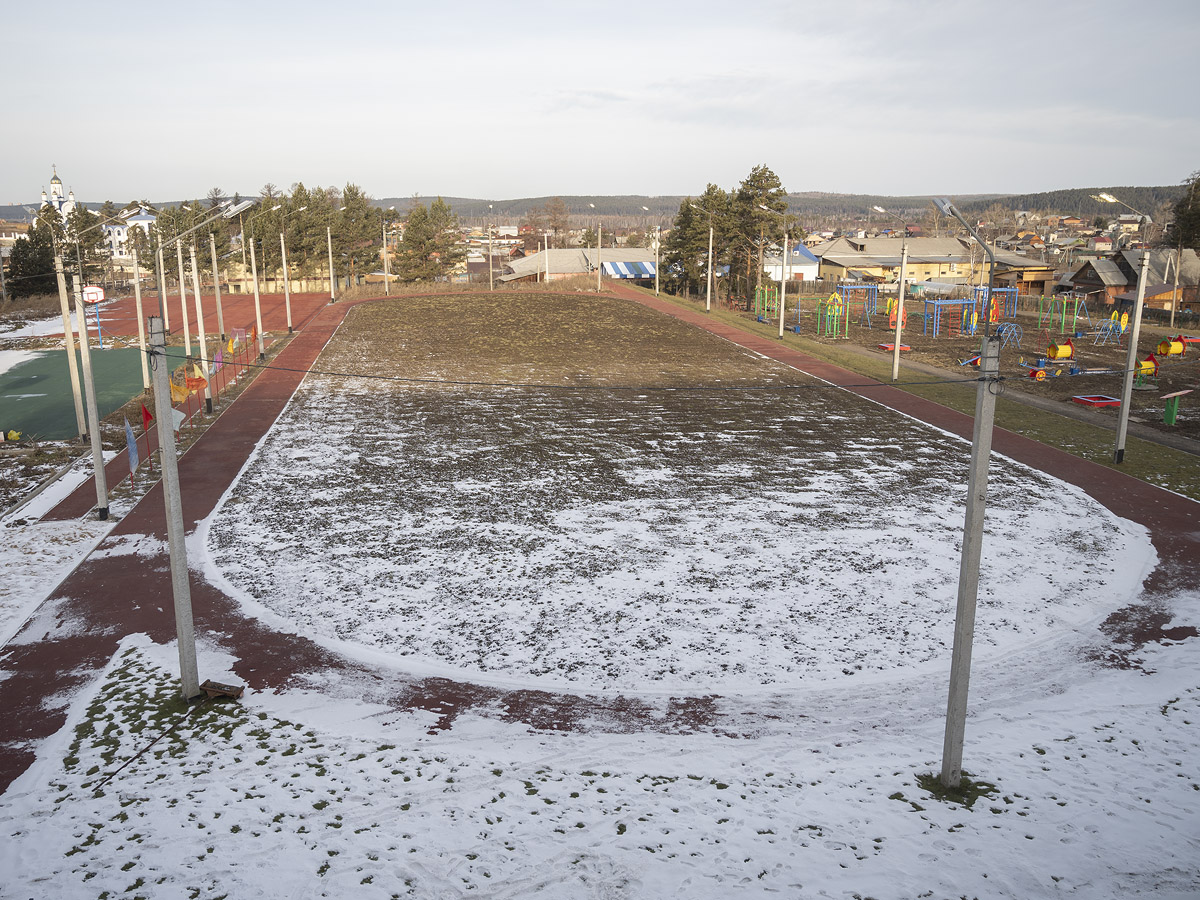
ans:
x=35 y=394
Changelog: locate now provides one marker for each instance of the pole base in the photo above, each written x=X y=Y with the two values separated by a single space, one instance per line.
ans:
x=289 y=329
x=1119 y=456
x=208 y=405
x=102 y=512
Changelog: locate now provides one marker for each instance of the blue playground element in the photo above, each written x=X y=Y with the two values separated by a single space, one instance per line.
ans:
x=955 y=316
x=1009 y=333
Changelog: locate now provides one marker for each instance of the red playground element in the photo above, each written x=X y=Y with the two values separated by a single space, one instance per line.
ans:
x=1097 y=400
x=903 y=347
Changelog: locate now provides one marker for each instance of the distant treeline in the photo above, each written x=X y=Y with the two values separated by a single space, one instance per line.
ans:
x=1151 y=200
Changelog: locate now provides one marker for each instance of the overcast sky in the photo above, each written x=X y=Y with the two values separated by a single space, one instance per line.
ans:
x=524 y=99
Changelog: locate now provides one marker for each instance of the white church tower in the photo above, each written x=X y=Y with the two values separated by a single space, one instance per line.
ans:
x=64 y=206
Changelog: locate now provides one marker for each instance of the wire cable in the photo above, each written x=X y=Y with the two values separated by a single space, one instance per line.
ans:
x=536 y=385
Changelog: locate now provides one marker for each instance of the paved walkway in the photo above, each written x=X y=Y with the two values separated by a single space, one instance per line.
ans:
x=74 y=634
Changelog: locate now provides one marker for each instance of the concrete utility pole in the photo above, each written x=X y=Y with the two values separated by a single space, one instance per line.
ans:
x=69 y=341
x=783 y=282
x=287 y=289
x=1131 y=362
x=137 y=299
x=708 y=290
x=3 y=286
x=163 y=309
x=491 y=278
x=329 y=245
x=968 y=572
x=386 y=274
x=201 y=337
x=257 y=303
x=89 y=388
x=599 y=253
x=212 y=245
x=899 y=307
x=180 y=586
x=657 y=243
x=187 y=333
x=972 y=541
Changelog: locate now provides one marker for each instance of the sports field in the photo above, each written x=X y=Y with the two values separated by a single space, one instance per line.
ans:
x=745 y=578
x=35 y=393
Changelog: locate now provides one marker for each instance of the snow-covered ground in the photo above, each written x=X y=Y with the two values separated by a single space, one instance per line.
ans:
x=671 y=542
x=786 y=558
x=291 y=795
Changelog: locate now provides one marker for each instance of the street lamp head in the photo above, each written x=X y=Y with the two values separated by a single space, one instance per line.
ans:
x=237 y=209
x=945 y=207
x=1105 y=197
x=275 y=207
x=879 y=209
x=646 y=208
x=303 y=208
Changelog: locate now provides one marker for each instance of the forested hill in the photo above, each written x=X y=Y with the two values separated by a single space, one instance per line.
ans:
x=1149 y=200
x=1154 y=201
x=649 y=211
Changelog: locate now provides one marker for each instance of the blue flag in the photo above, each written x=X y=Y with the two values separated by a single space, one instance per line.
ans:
x=131 y=445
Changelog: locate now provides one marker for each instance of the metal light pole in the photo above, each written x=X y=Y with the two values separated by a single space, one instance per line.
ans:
x=386 y=274
x=201 y=337
x=141 y=322
x=329 y=245
x=69 y=341
x=782 y=266
x=187 y=334
x=657 y=245
x=899 y=292
x=287 y=290
x=1134 y=333
x=163 y=309
x=257 y=304
x=212 y=245
x=1131 y=362
x=180 y=586
x=972 y=542
x=89 y=390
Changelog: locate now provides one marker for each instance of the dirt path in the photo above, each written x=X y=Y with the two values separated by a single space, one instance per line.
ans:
x=74 y=634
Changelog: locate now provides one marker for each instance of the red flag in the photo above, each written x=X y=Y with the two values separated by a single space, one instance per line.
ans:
x=253 y=335
x=146 y=418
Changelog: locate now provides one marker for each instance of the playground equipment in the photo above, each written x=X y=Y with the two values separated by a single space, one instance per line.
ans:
x=1172 y=408
x=1009 y=333
x=1039 y=371
x=1176 y=346
x=829 y=316
x=1061 y=350
x=1001 y=303
x=891 y=310
x=1147 y=368
x=957 y=316
x=860 y=299
x=1097 y=400
x=766 y=302
x=1064 y=312
x=1111 y=329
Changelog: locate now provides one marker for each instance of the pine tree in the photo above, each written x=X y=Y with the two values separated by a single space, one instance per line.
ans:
x=1185 y=229
x=429 y=251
